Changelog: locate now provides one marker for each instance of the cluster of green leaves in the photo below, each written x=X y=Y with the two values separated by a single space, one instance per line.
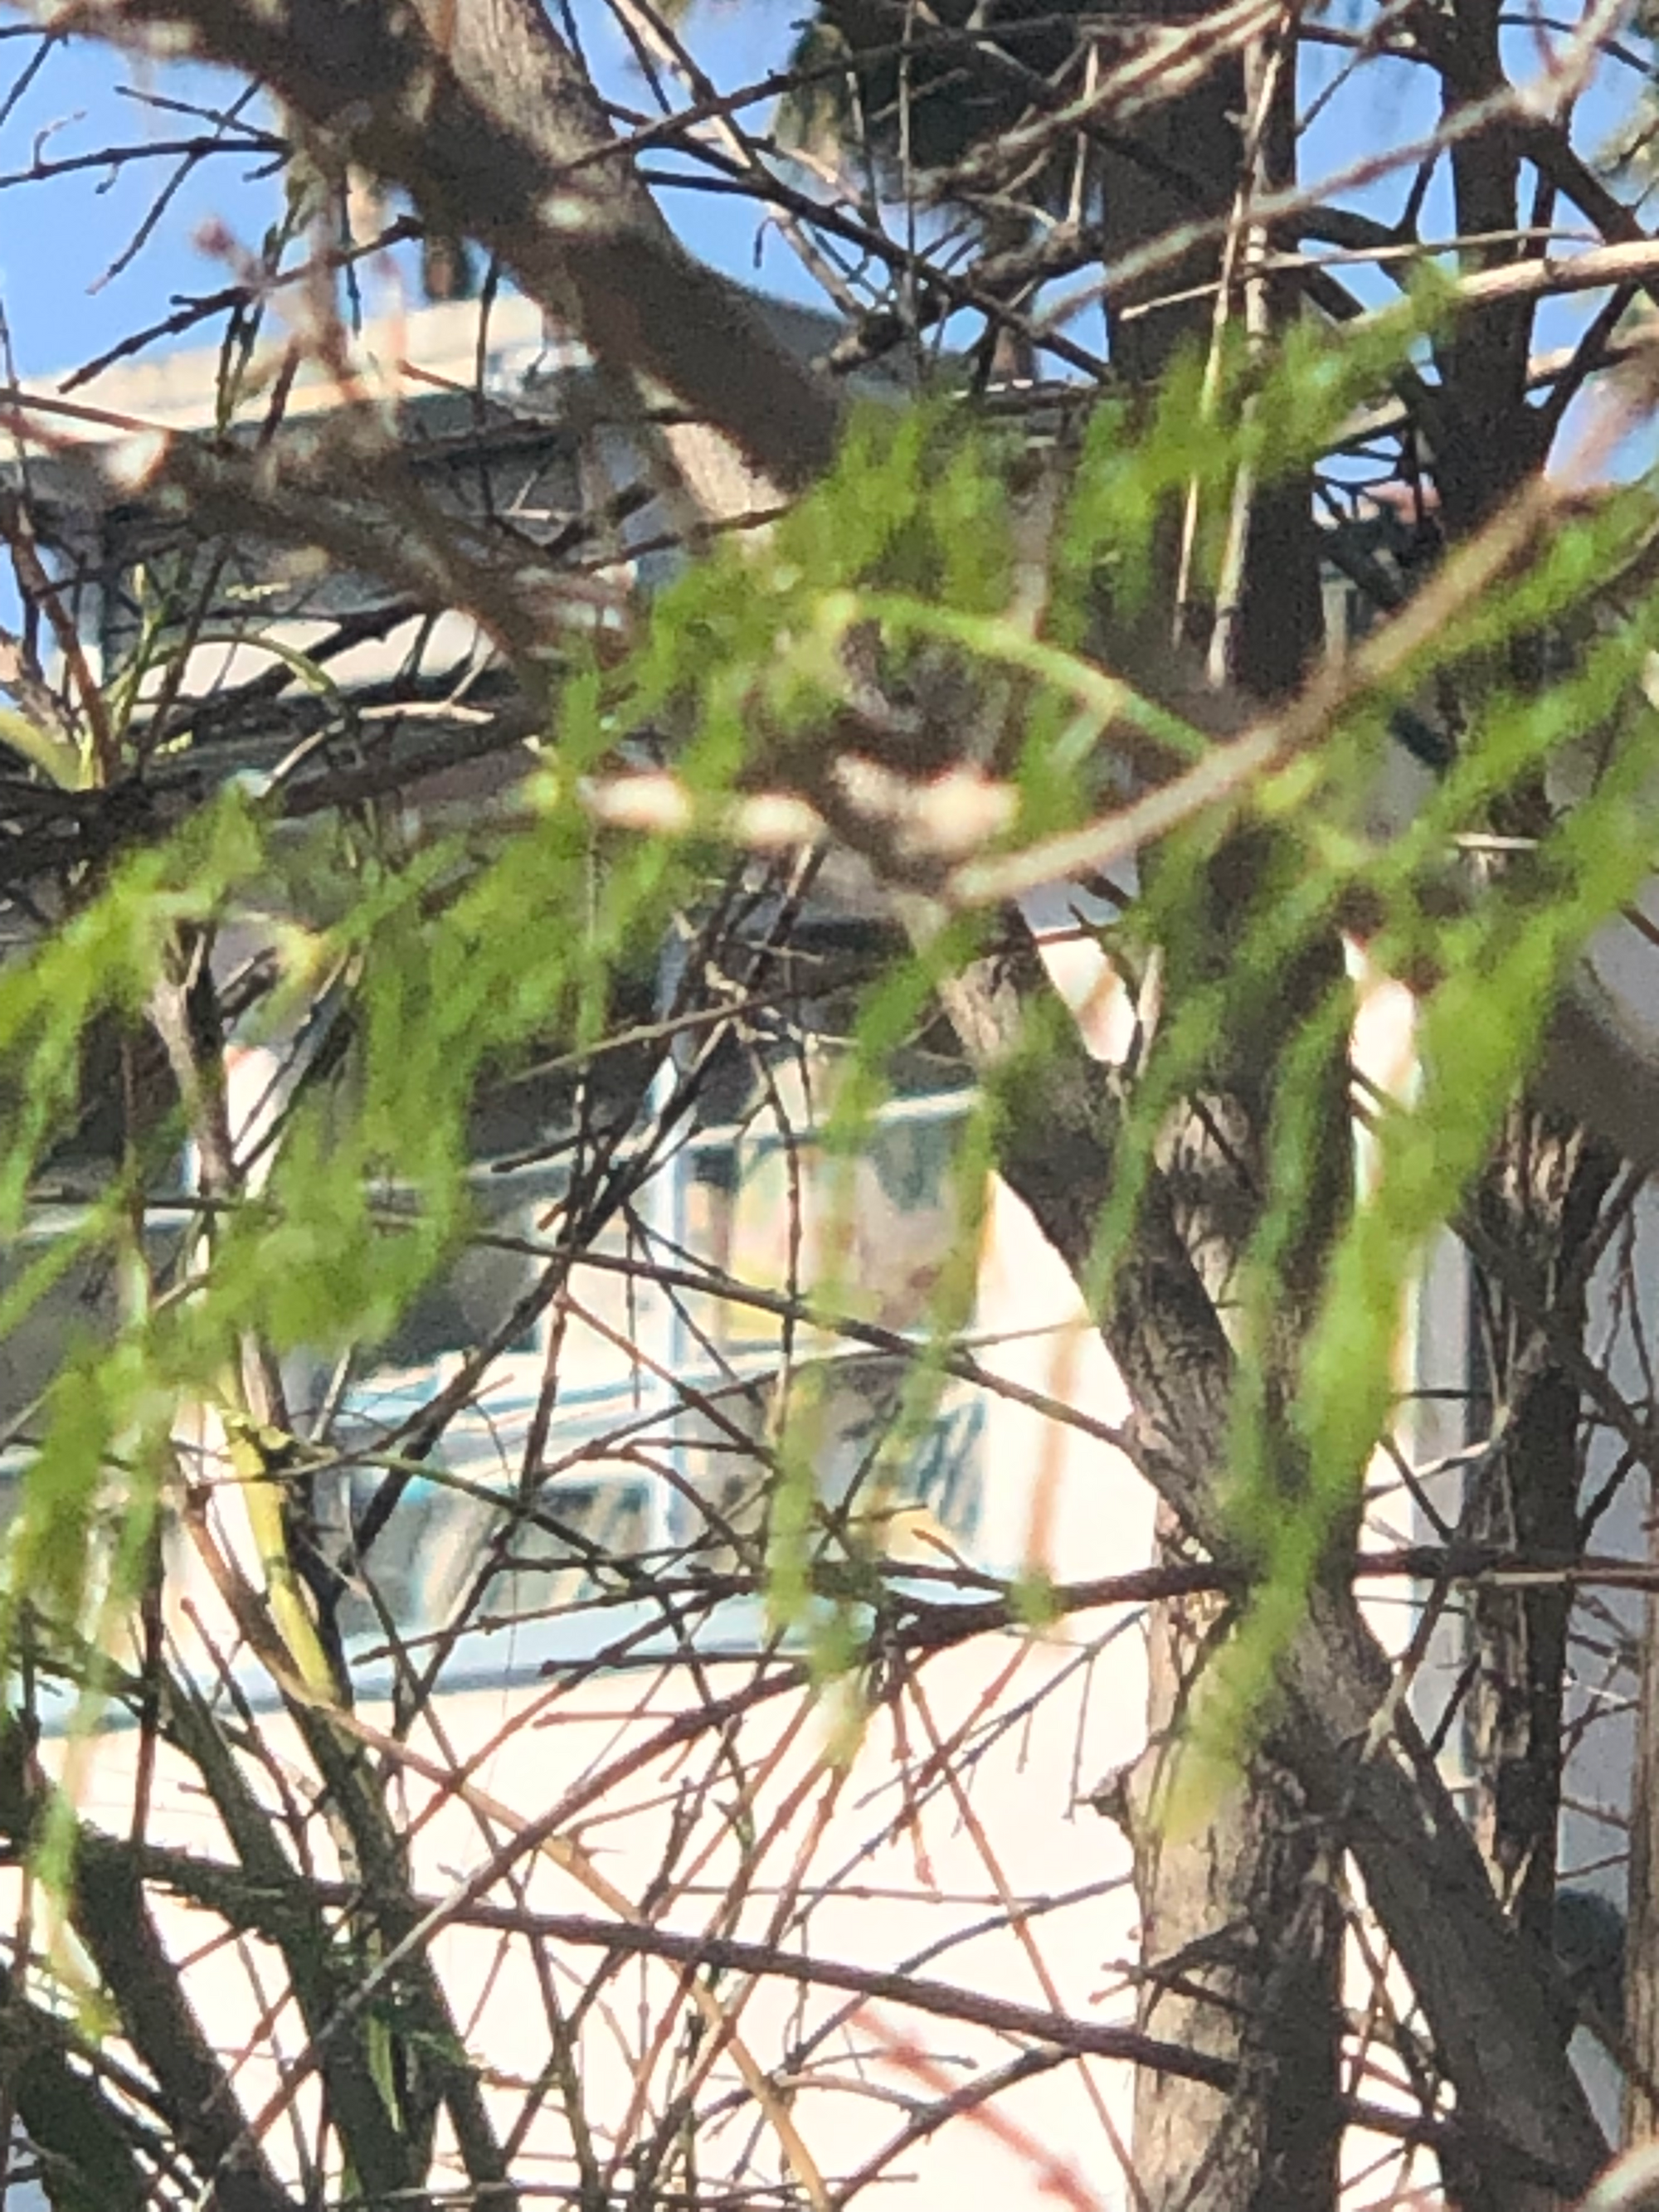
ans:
x=916 y=541
x=1488 y=968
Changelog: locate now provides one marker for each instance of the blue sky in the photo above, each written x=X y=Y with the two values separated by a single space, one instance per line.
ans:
x=61 y=237
x=58 y=238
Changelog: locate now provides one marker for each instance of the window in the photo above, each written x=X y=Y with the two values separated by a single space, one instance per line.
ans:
x=669 y=1394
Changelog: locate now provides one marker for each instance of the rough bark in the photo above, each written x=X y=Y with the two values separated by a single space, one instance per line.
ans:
x=483 y=114
x=1537 y=1205
x=1485 y=448
x=1241 y=1938
x=1241 y=1941
x=1641 y=2022
x=1523 y=2118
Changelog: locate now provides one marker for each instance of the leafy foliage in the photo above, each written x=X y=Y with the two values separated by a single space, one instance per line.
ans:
x=460 y=963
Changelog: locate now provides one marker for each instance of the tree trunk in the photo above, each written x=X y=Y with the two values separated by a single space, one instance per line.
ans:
x=1522 y=2125
x=1241 y=1941
x=1641 y=2021
x=1539 y=1207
